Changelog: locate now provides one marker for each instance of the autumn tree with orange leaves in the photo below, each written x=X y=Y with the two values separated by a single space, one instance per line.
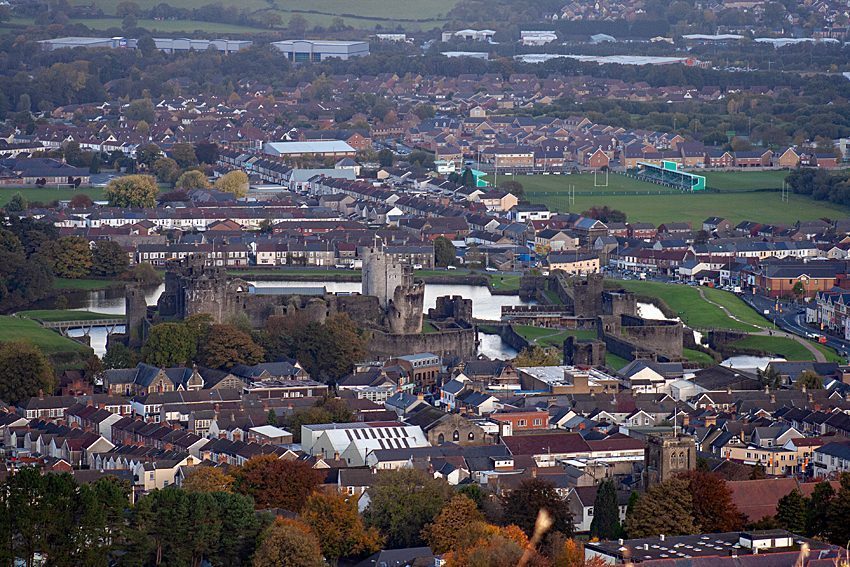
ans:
x=277 y=483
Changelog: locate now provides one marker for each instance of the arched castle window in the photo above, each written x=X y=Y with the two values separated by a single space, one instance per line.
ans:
x=682 y=460
x=471 y=436
x=673 y=460
x=441 y=439
x=456 y=435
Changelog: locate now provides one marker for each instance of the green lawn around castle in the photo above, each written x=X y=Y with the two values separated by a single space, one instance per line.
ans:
x=685 y=302
x=789 y=349
x=51 y=342
x=743 y=196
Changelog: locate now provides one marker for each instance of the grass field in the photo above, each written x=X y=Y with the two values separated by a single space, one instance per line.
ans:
x=789 y=349
x=505 y=283
x=648 y=202
x=735 y=306
x=692 y=309
x=51 y=315
x=410 y=14
x=614 y=361
x=45 y=195
x=542 y=336
x=20 y=329
x=84 y=285
x=698 y=356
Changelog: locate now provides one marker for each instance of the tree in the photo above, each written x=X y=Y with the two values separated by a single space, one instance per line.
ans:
x=297 y=26
x=488 y=545
x=769 y=377
x=758 y=472
x=147 y=46
x=666 y=508
x=80 y=201
x=838 y=529
x=206 y=152
x=328 y=351
x=798 y=289
x=451 y=524
x=386 y=157
x=809 y=380
x=513 y=187
x=17 y=204
x=403 y=502
x=132 y=191
x=168 y=345
x=523 y=504
x=277 y=483
x=118 y=355
x=326 y=410
x=145 y=274
x=68 y=257
x=537 y=356
x=184 y=154
x=606 y=513
x=288 y=543
x=467 y=178
x=207 y=479
x=26 y=372
x=339 y=527
x=166 y=170
x=192 y=179
x=444 y=252
x=141 y=109
x=234 y=182
x=819 y=505
x=225 y=346
x=712 y=506
x=108 y=259
x=147 y=154
x=791 y=512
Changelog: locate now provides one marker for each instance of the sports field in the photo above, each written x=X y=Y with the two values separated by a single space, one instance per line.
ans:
x=739 y=198
x=46 y=194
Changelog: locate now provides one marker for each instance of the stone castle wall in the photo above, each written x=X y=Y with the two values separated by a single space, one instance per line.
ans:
x=452 y=343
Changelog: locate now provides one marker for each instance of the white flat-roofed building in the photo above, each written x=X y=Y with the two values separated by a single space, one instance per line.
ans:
x=323 y=148
x=536 y=37
x=354 y=441
x=307 y=50
x=168 y=44
x=471 y=54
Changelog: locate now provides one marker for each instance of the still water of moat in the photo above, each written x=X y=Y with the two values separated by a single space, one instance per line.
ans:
x=484 y=306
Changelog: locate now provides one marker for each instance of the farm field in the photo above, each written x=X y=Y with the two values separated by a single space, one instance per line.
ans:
x=642 y=201
x=46 y=194
x=694 y=310
x=164 y=26
x=51 y=342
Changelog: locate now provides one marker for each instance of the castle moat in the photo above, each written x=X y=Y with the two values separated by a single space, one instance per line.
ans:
x=484 y=304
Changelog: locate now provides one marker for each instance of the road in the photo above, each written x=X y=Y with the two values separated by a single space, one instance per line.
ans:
x=790 y=319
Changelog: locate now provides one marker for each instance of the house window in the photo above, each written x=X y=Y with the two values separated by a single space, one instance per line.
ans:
x=537 y=421
x=590 y=511
x=521 y=423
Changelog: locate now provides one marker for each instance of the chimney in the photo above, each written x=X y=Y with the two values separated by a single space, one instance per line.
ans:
x=534 y=472
x=803 y=388
x=40 y=394
x=336 y=455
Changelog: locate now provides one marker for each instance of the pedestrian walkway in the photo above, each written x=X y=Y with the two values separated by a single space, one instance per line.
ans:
x=819 y=356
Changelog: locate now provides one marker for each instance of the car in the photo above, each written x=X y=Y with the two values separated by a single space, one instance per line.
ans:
x=490 y=269
x=417 y=266
x=450 y=267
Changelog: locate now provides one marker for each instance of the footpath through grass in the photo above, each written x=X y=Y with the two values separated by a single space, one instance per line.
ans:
x=51 y=342
x=692 y=309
